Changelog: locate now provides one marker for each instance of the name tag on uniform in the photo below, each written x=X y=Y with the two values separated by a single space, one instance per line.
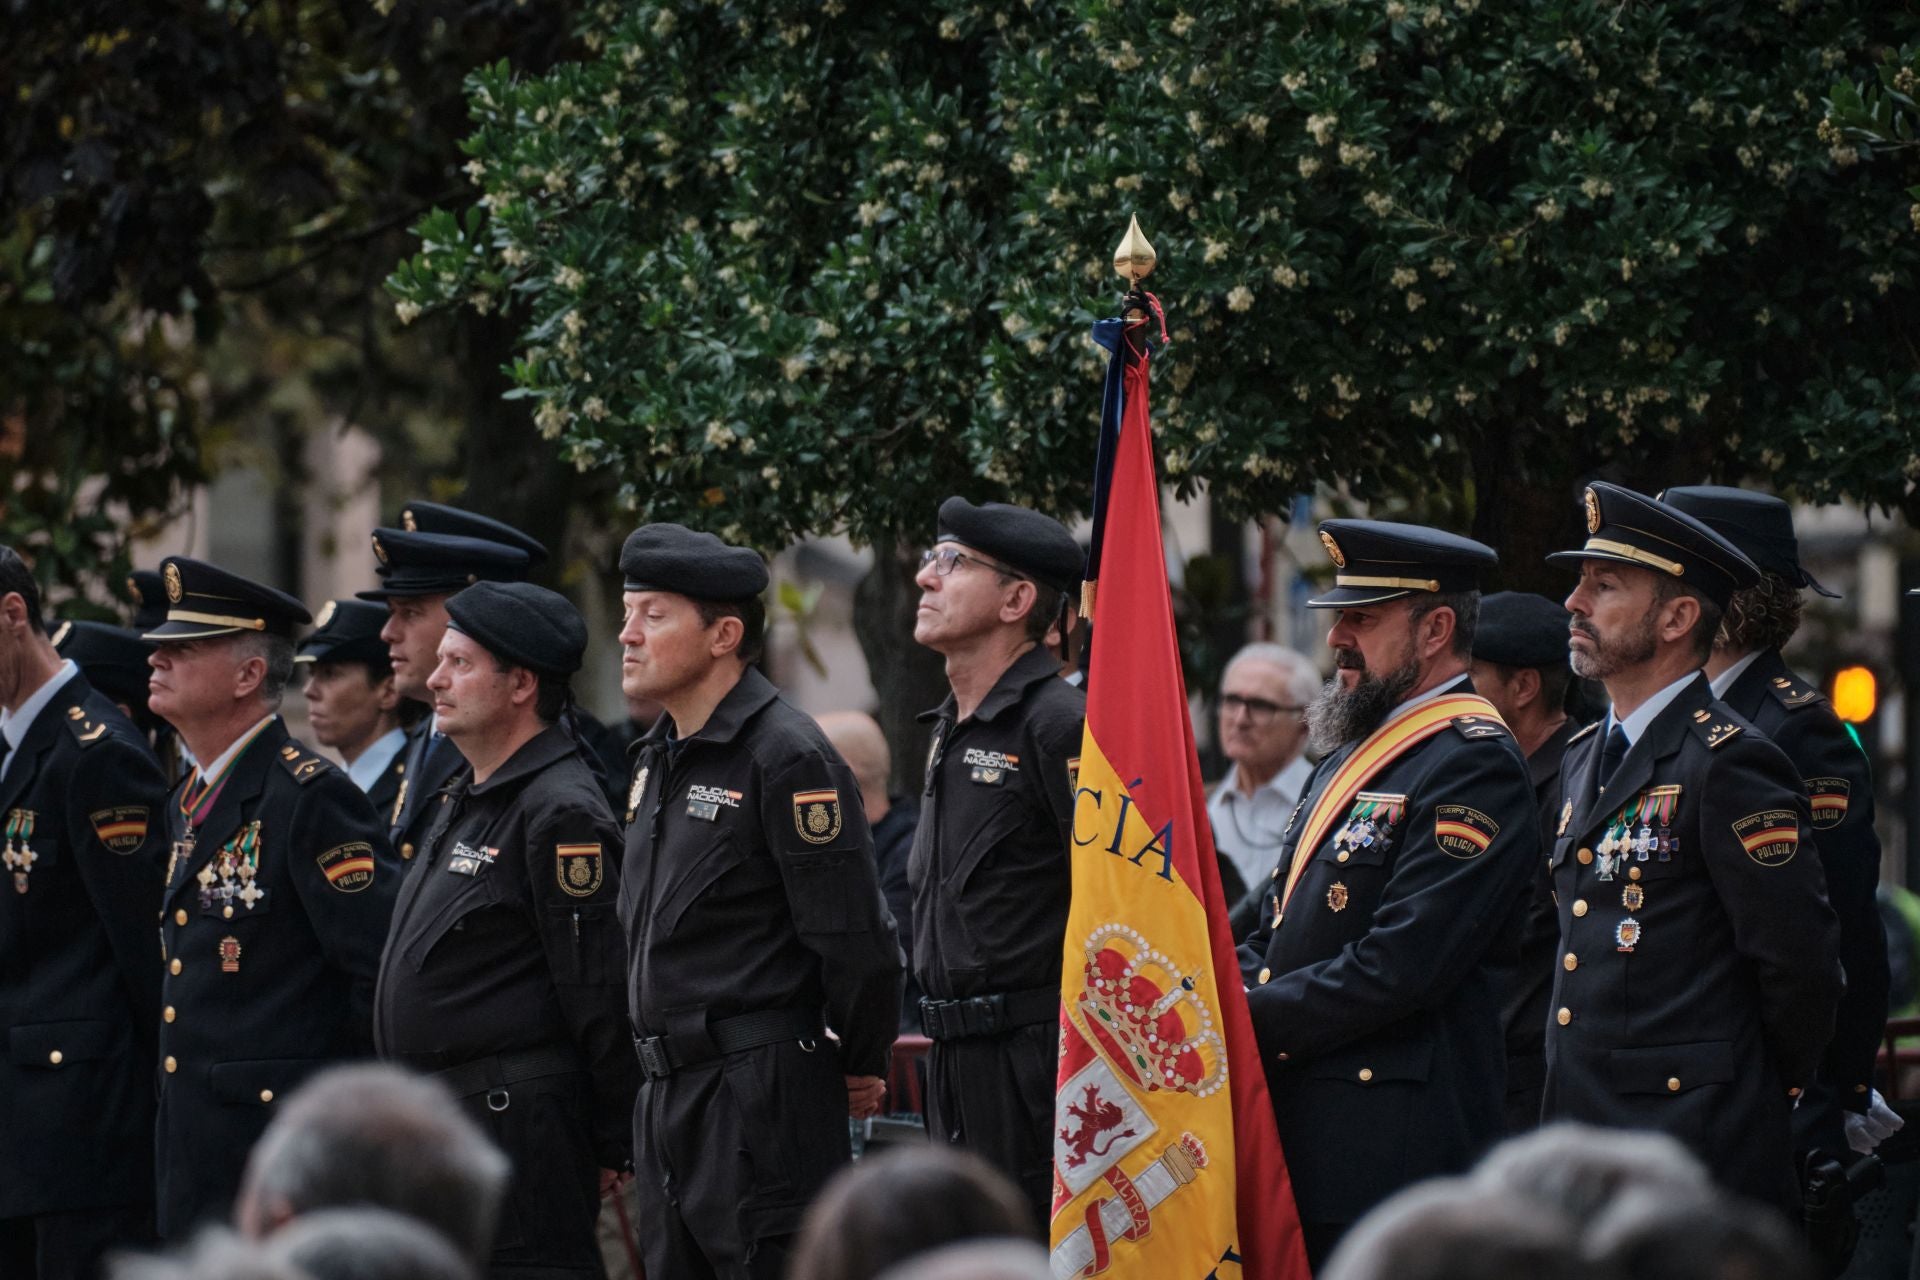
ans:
x=987 y=776
x=469 y=861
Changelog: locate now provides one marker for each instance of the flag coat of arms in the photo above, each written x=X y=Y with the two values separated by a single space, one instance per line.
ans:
x=1166 y=1158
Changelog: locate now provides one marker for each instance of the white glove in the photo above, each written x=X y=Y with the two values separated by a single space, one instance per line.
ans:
x=1865 y=1132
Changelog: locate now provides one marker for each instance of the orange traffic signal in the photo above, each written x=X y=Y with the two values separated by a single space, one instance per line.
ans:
x=1855 y=694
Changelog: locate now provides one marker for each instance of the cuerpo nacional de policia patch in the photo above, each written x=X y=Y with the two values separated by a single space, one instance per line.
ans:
x=579 y=868
x=1462 y=832
x=816 y=815
x=1770 y=837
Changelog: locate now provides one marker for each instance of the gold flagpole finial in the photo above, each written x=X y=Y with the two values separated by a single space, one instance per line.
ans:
x=1134 y=258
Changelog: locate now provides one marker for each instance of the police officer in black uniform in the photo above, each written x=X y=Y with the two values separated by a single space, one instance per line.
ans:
x=418 y=571
x=351 y=702
x=1377 y=976
x=754 y=924
x=80 y=799
x=1520 y=666
x=989 y=867
x=1700 y=968
x=1749 y=674
x=504 y=970
x=149 y=596
x=279 y=885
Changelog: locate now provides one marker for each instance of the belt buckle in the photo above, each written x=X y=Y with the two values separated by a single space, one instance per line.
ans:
x=653 y=1057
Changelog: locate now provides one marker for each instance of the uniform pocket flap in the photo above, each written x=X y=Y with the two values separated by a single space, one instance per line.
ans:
x=54 y=1044
x=824 y=889
x=1404 y=1060
x=1671 y=1068
x=262 y=1081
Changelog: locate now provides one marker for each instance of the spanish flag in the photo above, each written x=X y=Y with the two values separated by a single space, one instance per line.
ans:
x=1166 y=1159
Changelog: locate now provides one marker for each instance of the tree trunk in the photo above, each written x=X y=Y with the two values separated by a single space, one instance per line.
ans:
x=907 y=679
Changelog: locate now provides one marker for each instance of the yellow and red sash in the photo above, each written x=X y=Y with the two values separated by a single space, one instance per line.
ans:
x=1381 y=748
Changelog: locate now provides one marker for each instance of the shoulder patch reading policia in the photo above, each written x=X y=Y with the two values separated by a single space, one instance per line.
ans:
x=122 y=828
x=304 y=767
x=816 y=815
x=1829 y=799
x=1462 y=832
x=83 y=728
x=580 y=868
x=1770 y=837
x=348 y=867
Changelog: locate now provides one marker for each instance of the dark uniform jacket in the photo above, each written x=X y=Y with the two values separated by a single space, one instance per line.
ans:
x=79 y=971
x=384 y=794
x=429 y=763
x=749 y=887
x=505 y=942
x=1799 y=720
x=1700 y=969
x=892 y=846
x=275 y=913
x=1536 y=935
x=1376 y=1001
x=990 y=872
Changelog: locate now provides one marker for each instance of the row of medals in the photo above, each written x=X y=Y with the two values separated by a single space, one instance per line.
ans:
x=1620 y=842
x=19 y=857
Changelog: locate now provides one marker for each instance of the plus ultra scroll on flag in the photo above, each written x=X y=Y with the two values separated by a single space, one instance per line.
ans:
x=1166 y=1159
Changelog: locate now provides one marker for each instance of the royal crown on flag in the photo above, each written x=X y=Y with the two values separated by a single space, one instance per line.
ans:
x=1146 y=1017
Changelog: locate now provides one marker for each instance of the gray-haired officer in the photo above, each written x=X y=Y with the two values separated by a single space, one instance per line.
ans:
x=754 y=923
x=1749 y=674
x=1700 y=968
x=502 y=974
x=418 y=570
x=279 y=886
x=990 y=861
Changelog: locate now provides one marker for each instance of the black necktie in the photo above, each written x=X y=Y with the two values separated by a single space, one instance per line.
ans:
x=1612 y=753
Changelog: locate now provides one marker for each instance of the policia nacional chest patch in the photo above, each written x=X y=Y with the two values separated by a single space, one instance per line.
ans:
x=1770 y=837
x=580 y=868
x=816 y=815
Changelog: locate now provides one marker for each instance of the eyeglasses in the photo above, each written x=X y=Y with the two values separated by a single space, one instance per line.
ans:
x=944 y=560
x=1257 y=710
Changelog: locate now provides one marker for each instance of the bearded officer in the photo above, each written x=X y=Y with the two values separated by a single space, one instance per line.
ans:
x=279 y=886
x=989 y=867
x=754 y=921
x=503 y=972
x=418 y=572
x=1376 y=979
x=80 y=797
x=1749 y=674
x=351 y=700
x=1700 y=968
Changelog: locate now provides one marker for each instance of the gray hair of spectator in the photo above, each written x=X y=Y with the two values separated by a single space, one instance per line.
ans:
x=988 y=1260
x=1578 y=1170
x=277 y=653
x=215 y=1254
x=860 y=741
x=1303 y=678
x=1651 y=1233
x=1452 y=1229
x=367 y=1244
x=373 y=1134
x=894 y=1206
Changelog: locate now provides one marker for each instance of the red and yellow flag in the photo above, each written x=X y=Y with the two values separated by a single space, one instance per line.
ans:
x=1166 y=1158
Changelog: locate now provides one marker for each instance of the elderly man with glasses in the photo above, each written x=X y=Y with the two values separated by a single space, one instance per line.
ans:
x=1263 y=734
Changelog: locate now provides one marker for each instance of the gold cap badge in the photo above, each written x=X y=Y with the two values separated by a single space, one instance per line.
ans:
x=406 y=521
x=326 y=615
x=175 y=592
x=1333 y=550
x=379 y=552
x=1593 y=513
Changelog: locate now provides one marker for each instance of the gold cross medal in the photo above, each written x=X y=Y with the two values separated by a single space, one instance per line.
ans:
x=19 y=855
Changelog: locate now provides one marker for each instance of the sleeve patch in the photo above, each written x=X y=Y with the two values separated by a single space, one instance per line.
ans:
x=1462 y=832
x=816 y=815
x=580 y=869
x=348 y=867
x=1829 y=799
x=1770 y=837
x=122 y=828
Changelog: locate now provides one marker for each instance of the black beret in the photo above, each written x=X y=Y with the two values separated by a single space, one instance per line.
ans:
x=205 y=600
x=1631 y=528
x=1379 y=560
x=436 y=517
x=149 y=598
x=1035 y=545
x=113 y=659
x=1759 y=524
x=521 y=624
x=347 y=631
x=1521 y=629
x=438 y=564
x=669 y=557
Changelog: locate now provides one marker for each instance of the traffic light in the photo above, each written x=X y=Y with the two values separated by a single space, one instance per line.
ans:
x=1855 y=694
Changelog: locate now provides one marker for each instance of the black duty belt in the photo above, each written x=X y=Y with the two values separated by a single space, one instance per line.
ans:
x=495 y=1076
x=993 y=1015
x=661 y=1056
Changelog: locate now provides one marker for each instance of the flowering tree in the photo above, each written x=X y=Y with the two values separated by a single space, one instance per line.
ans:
x=797 y=267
